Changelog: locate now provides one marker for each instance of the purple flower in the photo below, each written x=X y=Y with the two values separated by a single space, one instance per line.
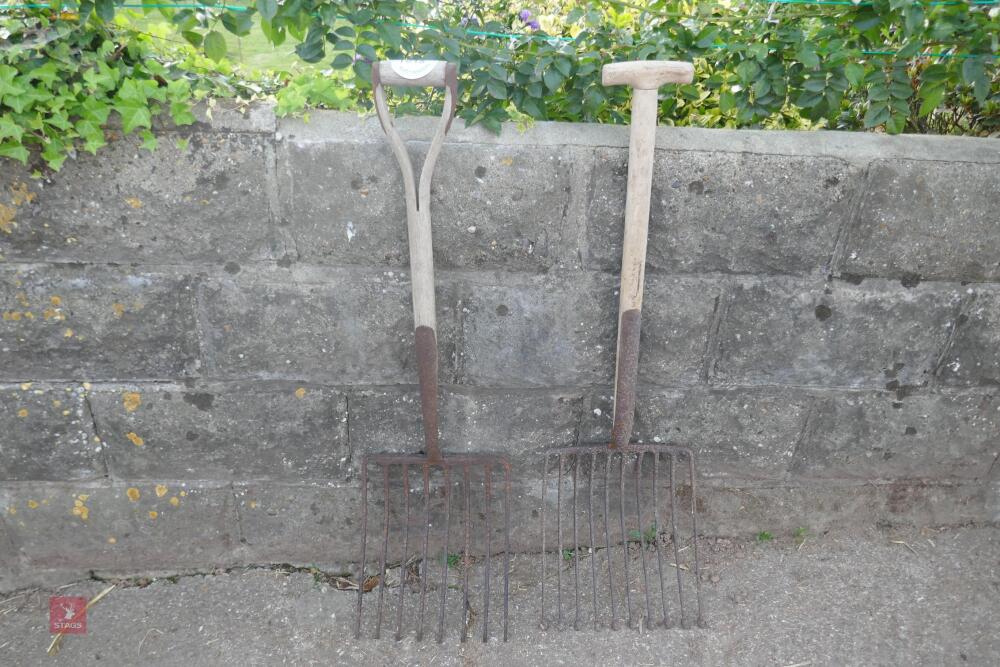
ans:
x=534 y=25
x=525 y=15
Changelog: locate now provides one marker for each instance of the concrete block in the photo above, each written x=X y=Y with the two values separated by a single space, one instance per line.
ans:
x=973 y=359
x=48 y=434
x=338 y=325
x=122 y=526
x=518 y=424
x=725 y=212
x=207 y=203
x=299 y=524
x=491 y=206
x=927 y=219
x=876 y=436
x=223 y=431
x=869 y=335
x=90 y=322
x=741 y=434
x=538 y=331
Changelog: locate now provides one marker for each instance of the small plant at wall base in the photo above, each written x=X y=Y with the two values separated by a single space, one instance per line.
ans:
x=891 y=65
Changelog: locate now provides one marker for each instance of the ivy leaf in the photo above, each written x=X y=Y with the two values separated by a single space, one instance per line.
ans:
x=14 y=150
x=8 y=128
x=181 y=114
x=215 y=46
x=148 y=140
x=134 y=115
x=268 y=9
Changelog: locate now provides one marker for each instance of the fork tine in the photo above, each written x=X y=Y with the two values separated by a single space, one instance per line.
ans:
x=385 y=548
x=506 y=548
x=607 y=542
x=694 y=541
x=656 y=541
x=364 y=543
x=642 y=534
x=487 y=482
x=406 y=538
x=593 y=545
x=545 y=471
x=621 y=517
x=444 y=567
x=673 y=538
x=576 y=549
x=466 y=563
x=559 y=553
x=424 y=563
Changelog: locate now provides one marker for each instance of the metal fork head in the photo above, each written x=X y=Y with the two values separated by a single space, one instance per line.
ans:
x=424 y=564
x=609 y=505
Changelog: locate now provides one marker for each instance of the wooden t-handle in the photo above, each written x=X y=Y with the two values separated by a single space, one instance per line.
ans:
x=645 y=77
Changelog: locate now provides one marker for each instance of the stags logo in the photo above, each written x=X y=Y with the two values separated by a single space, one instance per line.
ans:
x=68 y=615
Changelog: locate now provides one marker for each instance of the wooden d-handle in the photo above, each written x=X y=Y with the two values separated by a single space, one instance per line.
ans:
x=437 y=74
x=644 y=77
x=647 y=74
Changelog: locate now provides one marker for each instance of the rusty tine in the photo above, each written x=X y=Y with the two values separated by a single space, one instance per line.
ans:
x=673 y=538
x=545 y=472
x=559 y=553
x=621 y=516
x=576 y=549
x=364 y=543
x=406 y=539
x=506 y=548
x=385 y=548
x=593 y=545
x=487 y=482
x=694 y=530
x=607 y=543
x=656 y=540
x=424 y=564
x=444 y=567
x=642 y=534
x=465 y=558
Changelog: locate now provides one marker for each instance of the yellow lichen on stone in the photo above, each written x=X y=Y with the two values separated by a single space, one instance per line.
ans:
x=132 y=400
x=135 y=438
x=23 y=412
x=161 y=490
x=55 y=301
x=183 y=493
x=118 y=309
x=134 y=202
x=25 y=386
x=300 y=392
x=112 y=540
x=68 y=333
x=7 y=223
x=20 y=194
x=33 y=504
x=253 y=504
x=132 y=493
x=175 y=501
x=153 y=514
x=22 y=299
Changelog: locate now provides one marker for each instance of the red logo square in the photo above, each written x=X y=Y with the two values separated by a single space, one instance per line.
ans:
x=68 y=615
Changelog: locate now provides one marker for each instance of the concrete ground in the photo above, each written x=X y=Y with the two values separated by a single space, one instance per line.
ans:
x=864 y=598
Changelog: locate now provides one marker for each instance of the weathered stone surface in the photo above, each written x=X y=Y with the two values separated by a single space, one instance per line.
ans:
x=90 y=322
x=974 y=356
x=223 y=431
x=876 y=436
x=300 y=524
x=100 y=526
x=517 y=424
x=545 y=331
x=927 y=219
x=491 y=206
x=48 y=434
x=342 y=326
x=728 y=212
x=208 y=203
x=735 y=433
x=869 y=335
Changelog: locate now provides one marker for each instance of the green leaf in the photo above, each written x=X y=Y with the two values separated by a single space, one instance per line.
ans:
x=215 y=46
x=367 y=51
x=193 y=38
x=133 y=115
x=238 y=23
x=974 y=74
x=497 y=89
x=855 y=73
x=181 y=114
x=10 y=129
x=876 y=115
x=342 y=60
x=267 y=8
x=105 y=10
x=932 y=96
x=14 y=151
x=807 y=56
x=552 y=78
x=148 y=140
x=727 y=102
